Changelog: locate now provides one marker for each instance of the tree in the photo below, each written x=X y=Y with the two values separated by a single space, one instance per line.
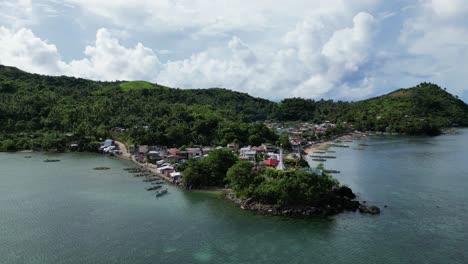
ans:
x=240 y=178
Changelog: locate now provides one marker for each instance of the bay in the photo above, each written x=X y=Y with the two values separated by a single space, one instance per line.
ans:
x=66 y=212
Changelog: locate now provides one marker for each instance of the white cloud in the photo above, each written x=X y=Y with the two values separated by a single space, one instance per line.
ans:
x=313 y=60
x=106 y=60
x=308 y=48
x=437 y=38
x=16 y=13
x=109 y=60
x=23 y=49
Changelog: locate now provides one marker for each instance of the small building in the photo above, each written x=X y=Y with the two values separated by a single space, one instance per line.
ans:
x=267 y=147
x=175 y=175
x=108 y=142
x=153 y=156
x=206 y=150
x=166 y=170
x=271 y=162
x=194 y=152
x=143 y=149
x=233 y=146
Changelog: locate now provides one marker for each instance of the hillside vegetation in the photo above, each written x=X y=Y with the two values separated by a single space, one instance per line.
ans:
x=51 y=112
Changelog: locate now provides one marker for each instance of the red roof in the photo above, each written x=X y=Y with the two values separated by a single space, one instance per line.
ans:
x=271 y=162
x=173 y=151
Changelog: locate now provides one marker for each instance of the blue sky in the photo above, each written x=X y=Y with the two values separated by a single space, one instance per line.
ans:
x=338 y=49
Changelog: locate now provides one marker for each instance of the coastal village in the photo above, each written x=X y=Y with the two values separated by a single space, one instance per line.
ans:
x=308 y=149
x=306 y=140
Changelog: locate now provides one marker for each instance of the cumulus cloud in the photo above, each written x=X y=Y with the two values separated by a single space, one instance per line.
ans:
x=23 y=49
x=309 y=48
x=106 y=60
x=436 y=40
x=109 y=60
x=313 y=60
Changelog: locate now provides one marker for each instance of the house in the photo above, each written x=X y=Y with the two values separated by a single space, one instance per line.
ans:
x=161 y=149
x=175 y=175
x=140 y=157
x=267 y=147
x=247 y=153
x=166 y=170
x=194 y=152
x=173 y=151
x=257 y=149
x=233 y=146
x=108 y=142
x=154 y=156
x=271 y=162
x=206 y=150
x=143 y=149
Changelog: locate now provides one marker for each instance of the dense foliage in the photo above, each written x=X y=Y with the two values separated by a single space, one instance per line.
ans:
x=423 y=109
x=270 y=186
x=47 y=112
x=51 y=112
x=210 y=170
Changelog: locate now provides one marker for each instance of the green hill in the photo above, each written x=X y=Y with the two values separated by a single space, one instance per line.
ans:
x=423 y=109
x=50 y=112
x=45 y=111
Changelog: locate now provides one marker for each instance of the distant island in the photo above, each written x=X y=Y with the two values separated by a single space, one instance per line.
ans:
x=215 y=138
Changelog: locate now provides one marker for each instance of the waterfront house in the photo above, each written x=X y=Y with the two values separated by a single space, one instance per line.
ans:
x=108 y=142
x=143 y=149
x=175 y=175
x=166 y=170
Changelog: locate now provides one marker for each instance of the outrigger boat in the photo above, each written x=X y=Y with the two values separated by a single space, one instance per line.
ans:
x=161 y=193
x=153 y=188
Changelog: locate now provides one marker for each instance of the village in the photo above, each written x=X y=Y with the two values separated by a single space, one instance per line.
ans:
x=302 y=137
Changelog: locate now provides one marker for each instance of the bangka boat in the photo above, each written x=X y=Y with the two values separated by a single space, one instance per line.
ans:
x=321 y=160
x=161 y=192
x=152 y=188
x=51 y=160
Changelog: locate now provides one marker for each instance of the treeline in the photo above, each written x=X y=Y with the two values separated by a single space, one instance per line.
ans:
x=424 y=109
x=47 y=112
x=50 y=112
x=265 y=185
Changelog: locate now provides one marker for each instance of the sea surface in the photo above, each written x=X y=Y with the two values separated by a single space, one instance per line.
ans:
x=66 y=212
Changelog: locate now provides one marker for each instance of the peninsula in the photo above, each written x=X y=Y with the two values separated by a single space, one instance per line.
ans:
x=215 y=137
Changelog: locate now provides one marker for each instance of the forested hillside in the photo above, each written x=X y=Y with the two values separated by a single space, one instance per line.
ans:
x=43 y=111
x=50 y=112
x=423 y=109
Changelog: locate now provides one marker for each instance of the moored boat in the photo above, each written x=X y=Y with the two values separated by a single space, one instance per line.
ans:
x=161 y=192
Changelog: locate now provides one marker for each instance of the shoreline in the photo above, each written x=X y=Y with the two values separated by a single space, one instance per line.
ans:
x=317 y=146
x=344 y=201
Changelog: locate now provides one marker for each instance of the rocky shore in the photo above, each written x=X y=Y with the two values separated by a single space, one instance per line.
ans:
x=337 y=201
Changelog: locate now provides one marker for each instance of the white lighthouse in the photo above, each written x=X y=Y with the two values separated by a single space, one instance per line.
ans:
x=281 y=164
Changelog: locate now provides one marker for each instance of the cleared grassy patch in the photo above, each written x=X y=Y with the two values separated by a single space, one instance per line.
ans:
x=136 y=85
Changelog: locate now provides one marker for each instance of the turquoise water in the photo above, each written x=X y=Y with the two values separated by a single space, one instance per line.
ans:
x=66 y=212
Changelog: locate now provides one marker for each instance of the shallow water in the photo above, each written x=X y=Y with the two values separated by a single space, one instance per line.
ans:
x=66 y=212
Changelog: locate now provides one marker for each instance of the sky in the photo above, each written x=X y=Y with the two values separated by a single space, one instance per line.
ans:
x=274 y=49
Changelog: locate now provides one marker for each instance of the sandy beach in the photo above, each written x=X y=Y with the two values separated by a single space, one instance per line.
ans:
x=318 y=146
